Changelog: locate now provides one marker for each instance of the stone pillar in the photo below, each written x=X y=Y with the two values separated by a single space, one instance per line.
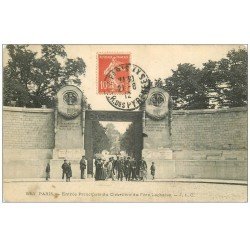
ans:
x=157 y=140
x=89 y=147
x=83 y=138
x=69 y=131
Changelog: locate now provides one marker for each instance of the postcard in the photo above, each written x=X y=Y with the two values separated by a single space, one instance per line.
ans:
x=125 y=123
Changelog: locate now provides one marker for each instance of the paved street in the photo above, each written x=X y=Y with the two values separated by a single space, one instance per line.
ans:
x=88 y=190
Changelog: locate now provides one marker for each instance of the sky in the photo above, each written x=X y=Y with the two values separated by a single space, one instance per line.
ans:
x=120 y=126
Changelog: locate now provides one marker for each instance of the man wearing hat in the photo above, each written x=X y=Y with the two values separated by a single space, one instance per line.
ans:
x=83 y=164
x=152 y=168
x=119 y=165
x=47 y=170
x=133 y=169
x=64 y=167
x=68 y=172
x=127 y=168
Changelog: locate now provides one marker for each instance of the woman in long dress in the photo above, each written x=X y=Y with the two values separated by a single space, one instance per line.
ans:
x=142 y=170
x=103 y=171
x=97 y=169
x=100 y=173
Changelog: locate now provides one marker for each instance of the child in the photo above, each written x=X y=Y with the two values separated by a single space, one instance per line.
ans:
x=152 y=168
x=47 y=172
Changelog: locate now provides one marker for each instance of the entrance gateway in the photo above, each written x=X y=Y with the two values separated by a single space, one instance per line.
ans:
x=74 y=129
x=121 y=116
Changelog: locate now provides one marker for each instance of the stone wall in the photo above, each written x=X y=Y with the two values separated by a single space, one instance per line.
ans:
x=205 y=143
x=28 y=141
x=191 y=129
x=201 y=169
x=28 y=128
x=209 y=129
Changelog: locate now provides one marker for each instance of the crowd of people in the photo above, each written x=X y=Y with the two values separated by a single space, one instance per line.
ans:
x=122 y=168
x=116 y=169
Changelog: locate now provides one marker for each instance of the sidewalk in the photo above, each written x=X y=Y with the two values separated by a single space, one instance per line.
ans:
x=186 y=180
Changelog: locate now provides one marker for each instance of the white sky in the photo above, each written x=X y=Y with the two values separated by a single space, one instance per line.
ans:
x=120 y=126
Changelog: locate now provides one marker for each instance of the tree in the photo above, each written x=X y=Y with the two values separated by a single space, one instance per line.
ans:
x=217 y=84
x=114 y=137
x=185 y=87
x=127 y=141
x=32 y=78
x=100 y=140
x=210 y=78
x=227 y=79
x=233 y=74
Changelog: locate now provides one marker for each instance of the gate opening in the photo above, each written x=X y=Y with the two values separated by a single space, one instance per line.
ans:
x=132 y=119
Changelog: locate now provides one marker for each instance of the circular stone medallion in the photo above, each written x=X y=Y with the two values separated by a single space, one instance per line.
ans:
x=69 y=101
x=157 y=103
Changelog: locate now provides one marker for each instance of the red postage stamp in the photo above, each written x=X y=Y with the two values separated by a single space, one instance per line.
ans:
x=112 y=79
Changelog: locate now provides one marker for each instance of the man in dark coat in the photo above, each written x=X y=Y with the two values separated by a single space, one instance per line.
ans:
x=152 y=169
x=47 y=172
x=137 y=169
x=83 y=165
x=64 y=166
x=116 y=163
x=119 y=165
x=127 y=169
x=113 y=168
x=68 y=172
x=133 y=169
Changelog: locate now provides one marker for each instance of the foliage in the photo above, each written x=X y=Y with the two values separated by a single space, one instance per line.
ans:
x=114 y=138
x=32 y=78
x=127 y=140
x=233 y=73
x=185 y=87
x=100 y=139
x=218 y=84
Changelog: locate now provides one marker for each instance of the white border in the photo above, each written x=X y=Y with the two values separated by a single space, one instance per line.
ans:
x=123 y=226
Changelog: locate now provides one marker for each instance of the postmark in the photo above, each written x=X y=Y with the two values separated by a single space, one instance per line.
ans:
x=107 y=62
x=138 y=84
